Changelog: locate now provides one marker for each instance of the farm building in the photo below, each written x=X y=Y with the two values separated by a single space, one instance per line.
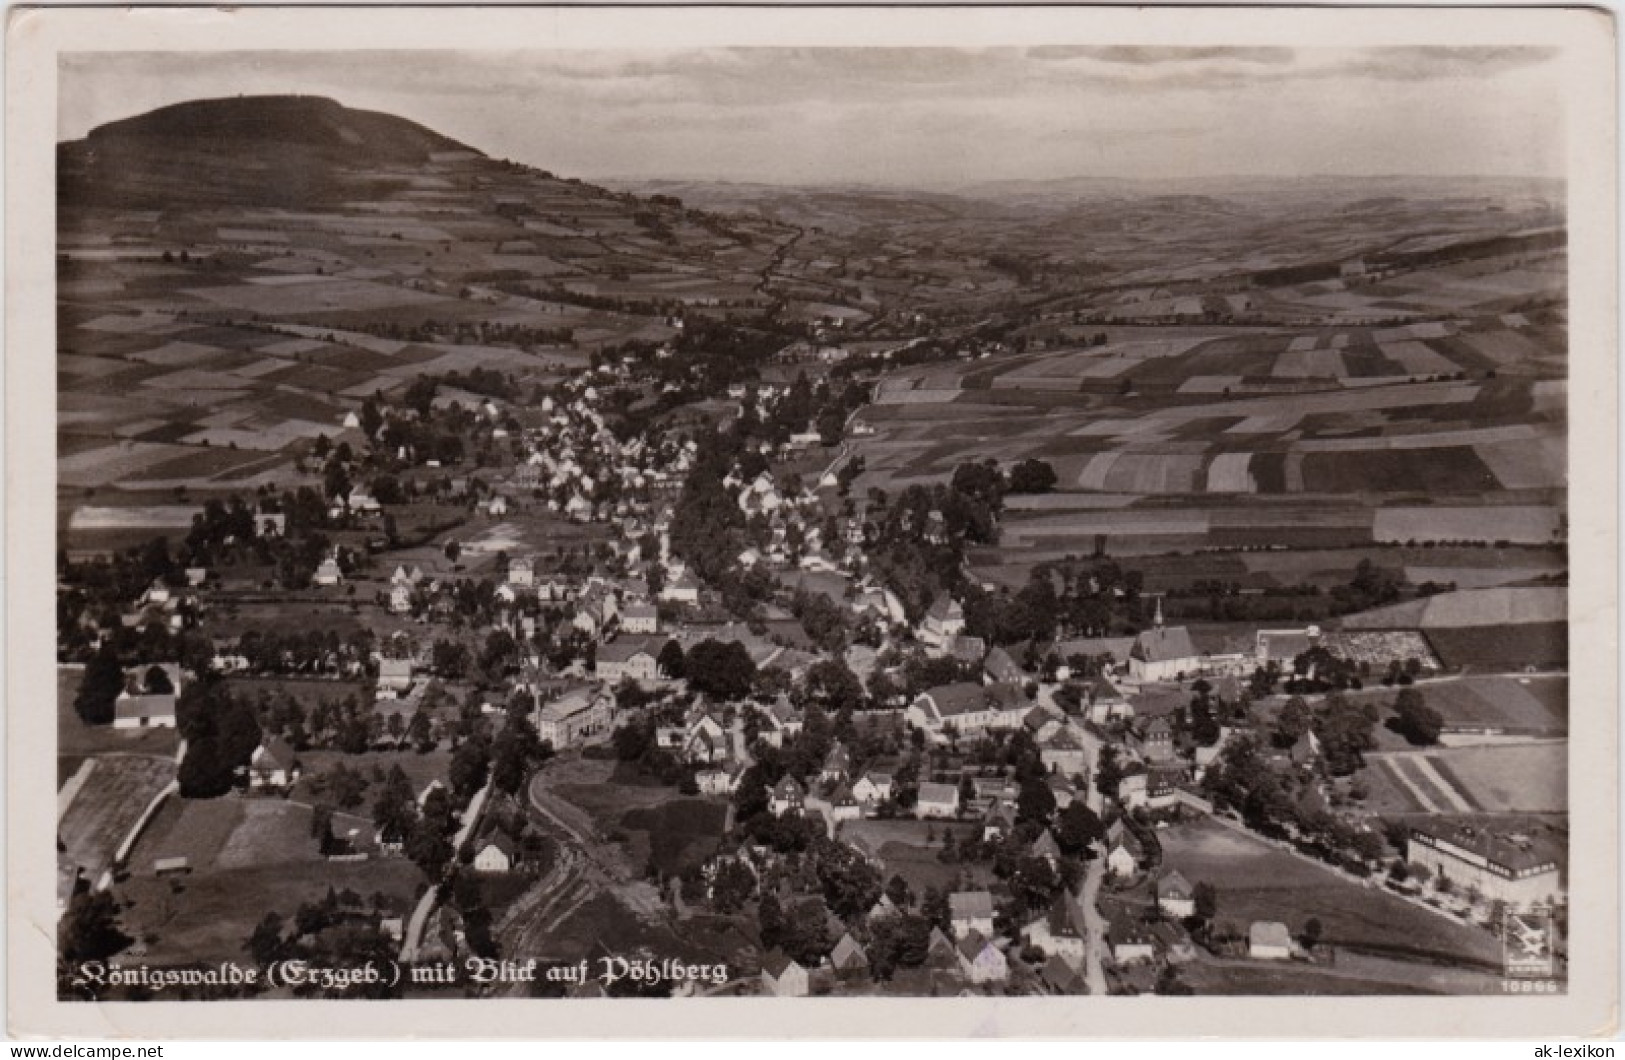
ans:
x=144 y=711
x=1517 y=868
x=1269 y=940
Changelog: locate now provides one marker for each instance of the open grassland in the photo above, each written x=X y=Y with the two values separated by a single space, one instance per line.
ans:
x=1255 y=881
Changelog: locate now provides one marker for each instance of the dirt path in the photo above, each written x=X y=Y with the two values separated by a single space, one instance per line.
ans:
x=1095 y=944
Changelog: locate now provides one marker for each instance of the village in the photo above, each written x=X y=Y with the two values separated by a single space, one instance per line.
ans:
x=905 y=806
x=1071 y=596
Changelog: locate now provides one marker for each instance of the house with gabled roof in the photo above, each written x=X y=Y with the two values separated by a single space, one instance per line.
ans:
x=968 y=707
x=1062 y=751
x=971 y=911
x=1046 y=847
x=936 y=800
x=496 y=853
x=1175 y=895
x=837 y=765
x=640 y=618
x=1061 y=930
x=1129 y=941
x=999 y=668
x=273 y=766
x=872 y=789
x=940 y=952
x=788 y=796
x=848 y=959
x=783 y=977
x=943 y=621
x=1063 y=978
x=981 y=961
x=1269 y=940
x=1124 y=851
x=144 y=710
x=627 y=658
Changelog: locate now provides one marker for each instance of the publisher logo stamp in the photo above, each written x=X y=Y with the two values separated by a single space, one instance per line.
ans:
x=1528 y=945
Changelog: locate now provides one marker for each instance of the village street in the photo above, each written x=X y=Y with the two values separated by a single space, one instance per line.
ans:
x=1094 y=974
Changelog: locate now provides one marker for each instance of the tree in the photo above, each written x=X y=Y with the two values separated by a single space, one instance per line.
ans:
x=732 y=886
x=770 y=921
x=1035 y=803
x=722 y=671
x=1293 y=722
x=1032 y=476
x=102 y=682
x=1206 y=900
x=1413 y=719
x=1311 y=933
x=670 y=660
x=266 y=945
x=897 y=889
x=453 y=551
x=428 y=847
x=1108 y=772
x=371 y=418
x=936 y=910
x=89 y=930
x=1077 y=827
x=851 y=884
x=470 y=767
x=513 y=753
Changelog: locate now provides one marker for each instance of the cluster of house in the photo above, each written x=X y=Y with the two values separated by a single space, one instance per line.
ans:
x=572 y=456
x=967 y=952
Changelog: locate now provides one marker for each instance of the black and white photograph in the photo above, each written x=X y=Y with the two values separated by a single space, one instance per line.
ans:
x=817 y=519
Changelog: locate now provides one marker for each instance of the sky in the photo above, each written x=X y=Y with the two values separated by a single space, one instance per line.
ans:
x=925 y=117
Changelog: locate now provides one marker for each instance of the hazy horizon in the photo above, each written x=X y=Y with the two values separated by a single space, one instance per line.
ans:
x=918 y=117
